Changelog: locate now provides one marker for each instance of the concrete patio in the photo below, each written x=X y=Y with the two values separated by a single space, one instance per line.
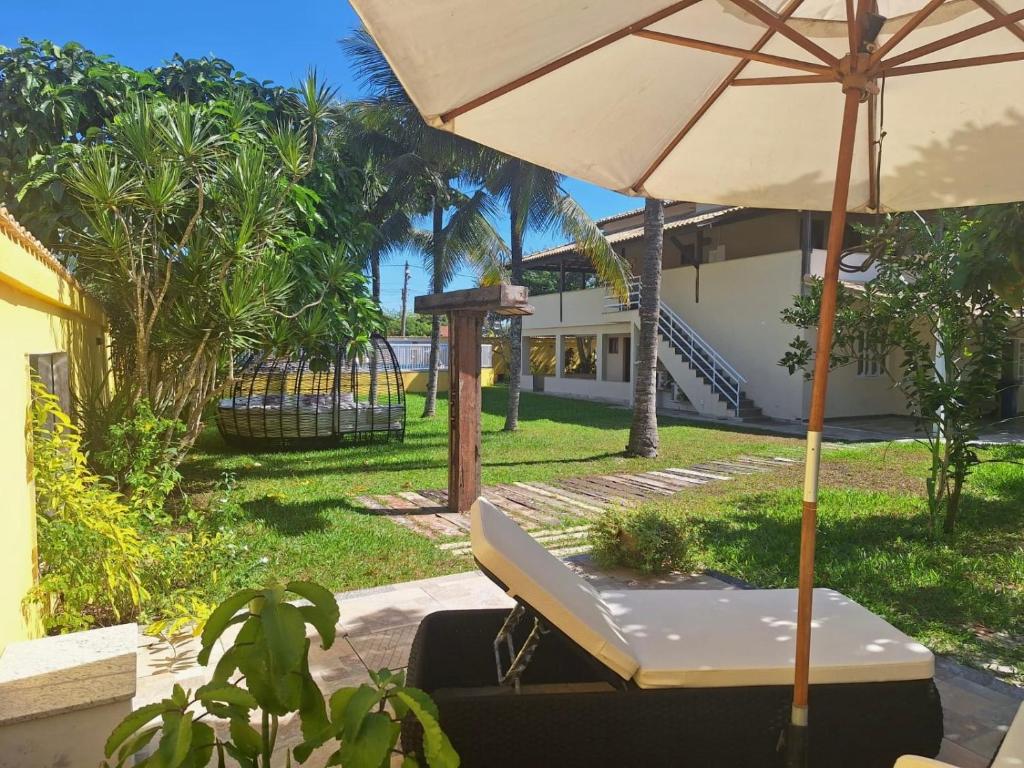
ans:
x=377 y=628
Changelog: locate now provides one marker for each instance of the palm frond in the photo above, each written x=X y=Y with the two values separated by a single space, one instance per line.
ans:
x=371 y=68
x=576 y=224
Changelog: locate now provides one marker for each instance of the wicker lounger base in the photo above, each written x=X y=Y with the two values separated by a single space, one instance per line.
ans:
x=571 y=719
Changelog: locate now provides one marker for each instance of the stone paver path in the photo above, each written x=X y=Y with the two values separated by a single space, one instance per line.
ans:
x=377 y=627
x=565 y=504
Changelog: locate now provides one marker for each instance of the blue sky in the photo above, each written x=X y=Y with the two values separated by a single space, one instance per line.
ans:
x=268 y=40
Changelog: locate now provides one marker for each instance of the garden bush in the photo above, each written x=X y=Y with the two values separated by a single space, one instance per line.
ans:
x=141 y=454
x=89 y=544
x=647 y=539
x=107 y=556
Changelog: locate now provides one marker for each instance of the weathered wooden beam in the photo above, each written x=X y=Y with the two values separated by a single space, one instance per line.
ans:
x=500 y=299
x=466 y=310
x=464 y=410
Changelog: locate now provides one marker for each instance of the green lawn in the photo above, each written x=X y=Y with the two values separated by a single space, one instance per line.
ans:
x=961 y=595
x=300 y=520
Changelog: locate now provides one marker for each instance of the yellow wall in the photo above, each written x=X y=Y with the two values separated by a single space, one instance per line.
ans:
x=42 y=311
x=416 y=381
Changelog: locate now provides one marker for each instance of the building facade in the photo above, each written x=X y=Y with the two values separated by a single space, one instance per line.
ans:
x=727 y=275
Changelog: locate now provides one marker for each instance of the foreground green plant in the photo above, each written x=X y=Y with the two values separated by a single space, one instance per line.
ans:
x=649 y=540
x=270 y=656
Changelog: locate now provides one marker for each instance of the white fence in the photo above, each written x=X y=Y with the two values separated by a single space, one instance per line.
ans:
x=415 y=355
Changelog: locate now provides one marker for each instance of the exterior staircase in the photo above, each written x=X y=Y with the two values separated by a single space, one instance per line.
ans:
x=712 y=385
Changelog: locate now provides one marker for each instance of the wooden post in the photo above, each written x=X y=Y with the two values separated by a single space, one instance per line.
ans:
x=466 y=310
x=464 y=409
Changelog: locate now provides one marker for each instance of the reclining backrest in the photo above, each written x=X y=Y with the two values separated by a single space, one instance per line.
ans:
x=537 y=578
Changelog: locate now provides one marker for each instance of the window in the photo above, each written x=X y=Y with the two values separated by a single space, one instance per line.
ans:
x=817 y=233
x=539 y=355
x=52 y=370
x=870 y=360
x=687 y=254
x=579 y=357
x=613 y=345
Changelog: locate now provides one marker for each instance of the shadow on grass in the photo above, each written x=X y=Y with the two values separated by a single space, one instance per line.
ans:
x=876 y=548
x=293 y=518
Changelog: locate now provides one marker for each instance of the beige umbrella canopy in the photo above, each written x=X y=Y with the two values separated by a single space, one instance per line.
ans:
x=859 y=105
x=655 y=99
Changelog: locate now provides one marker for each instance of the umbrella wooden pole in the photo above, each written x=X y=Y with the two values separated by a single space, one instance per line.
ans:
x=796 y=741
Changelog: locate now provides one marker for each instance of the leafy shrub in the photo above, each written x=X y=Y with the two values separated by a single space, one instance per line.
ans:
x=141 y=453
x=647 y=539
x=104 y=558
x=89 y=544
x=185 y=565
x=270 y=655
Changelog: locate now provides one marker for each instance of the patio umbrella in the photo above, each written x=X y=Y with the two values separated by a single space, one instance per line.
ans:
x=838 y=105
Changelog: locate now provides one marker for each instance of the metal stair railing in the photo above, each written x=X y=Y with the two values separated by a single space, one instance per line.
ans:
x=720 y=375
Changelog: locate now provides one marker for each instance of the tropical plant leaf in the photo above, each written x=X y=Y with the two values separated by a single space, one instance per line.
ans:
x=220 y=618
x=246 y=738
x=228 y=694
x=323 y=613
x=362 y=701
x=372 y=745
x=437 y=749
x=176 y=739
x=134 y=722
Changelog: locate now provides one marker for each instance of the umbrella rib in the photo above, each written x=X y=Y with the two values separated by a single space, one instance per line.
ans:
x=709 y=102
x=778 y=24
x=913 y=23
x=1001 y=22
x=851 y=29
x=938 y=66
x=729 y=50
x=993 y=10
x=568 y=58
x=874 y=146
x=784 y=80
x=873 y=201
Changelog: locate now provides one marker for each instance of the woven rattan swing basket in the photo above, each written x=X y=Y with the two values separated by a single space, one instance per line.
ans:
x=301 y=401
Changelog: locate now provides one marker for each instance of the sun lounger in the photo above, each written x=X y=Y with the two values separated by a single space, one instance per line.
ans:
x=661 y=677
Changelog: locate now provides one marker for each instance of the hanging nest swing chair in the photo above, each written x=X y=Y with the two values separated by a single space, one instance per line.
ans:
x=304 y=401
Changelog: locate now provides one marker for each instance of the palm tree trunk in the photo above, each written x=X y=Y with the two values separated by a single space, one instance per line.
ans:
x=515 y=331
x=375 y=276
x=430 y=406
x=375 y=287
x=643 y=432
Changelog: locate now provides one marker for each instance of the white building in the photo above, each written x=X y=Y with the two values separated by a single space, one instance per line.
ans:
x=727 y=275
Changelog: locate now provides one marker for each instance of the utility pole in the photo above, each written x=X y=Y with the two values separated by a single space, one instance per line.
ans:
x=405 y=295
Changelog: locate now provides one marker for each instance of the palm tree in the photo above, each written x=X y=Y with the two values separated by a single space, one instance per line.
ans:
x=425 y=172
x=536 y=200
x=643 y=431
x=467 y=239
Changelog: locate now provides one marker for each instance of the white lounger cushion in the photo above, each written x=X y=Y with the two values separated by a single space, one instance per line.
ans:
x=542 y=581
x=695 y=638
x=713 y=638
